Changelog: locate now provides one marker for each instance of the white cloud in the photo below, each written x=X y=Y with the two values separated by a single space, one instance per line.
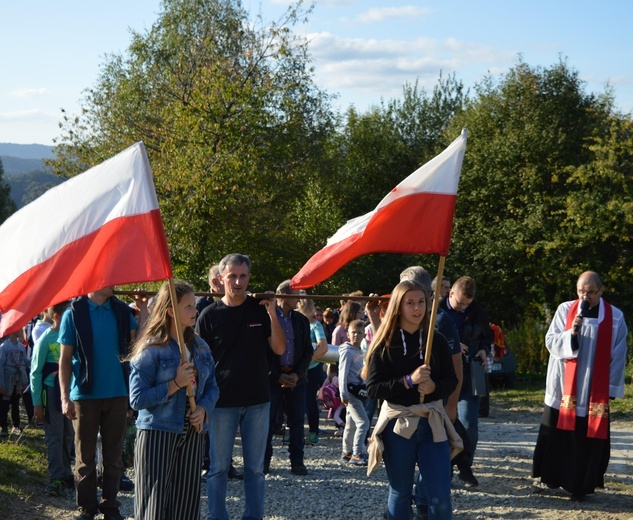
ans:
x=30 y=115
x=380 y=14
x=29 y=92
x=379 y=68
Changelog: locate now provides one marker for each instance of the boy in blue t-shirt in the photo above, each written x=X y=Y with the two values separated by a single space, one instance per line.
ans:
x=58 y=429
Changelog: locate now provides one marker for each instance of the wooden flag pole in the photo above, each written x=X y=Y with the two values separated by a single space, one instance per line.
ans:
x=436 y=304
x=270 y=295
x=431 y=331
x=181 y=342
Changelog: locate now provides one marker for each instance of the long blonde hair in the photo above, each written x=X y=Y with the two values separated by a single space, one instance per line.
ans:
x=157 y=330
x=307 y=308
x=391 y=321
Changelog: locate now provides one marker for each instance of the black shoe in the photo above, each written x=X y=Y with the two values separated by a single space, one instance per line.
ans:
x=299 y=469
x=466 y=475
x=578 y=497
x=125 y=483
x=234 y=474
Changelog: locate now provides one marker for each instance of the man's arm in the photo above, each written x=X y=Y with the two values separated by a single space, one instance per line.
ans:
x=451 y=403
x=65 y=371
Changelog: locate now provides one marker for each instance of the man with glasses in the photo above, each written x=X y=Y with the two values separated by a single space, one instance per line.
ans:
x=587 y=345
x=473 y=326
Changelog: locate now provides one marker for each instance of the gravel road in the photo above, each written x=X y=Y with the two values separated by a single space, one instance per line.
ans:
x=336 y=491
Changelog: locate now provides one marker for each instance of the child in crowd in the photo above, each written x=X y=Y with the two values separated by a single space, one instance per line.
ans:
x=43 y=322
x=331 y=398
x=47 y=402
x=350 y=311
x=353 y=394
x=170 y=437
x=13 y=380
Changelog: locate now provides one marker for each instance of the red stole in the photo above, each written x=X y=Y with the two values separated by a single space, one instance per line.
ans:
x=598 y=417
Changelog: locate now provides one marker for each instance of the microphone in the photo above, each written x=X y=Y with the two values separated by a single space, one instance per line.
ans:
x=584 y=307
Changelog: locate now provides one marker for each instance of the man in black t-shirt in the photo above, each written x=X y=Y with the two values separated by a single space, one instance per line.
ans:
x=240 y=330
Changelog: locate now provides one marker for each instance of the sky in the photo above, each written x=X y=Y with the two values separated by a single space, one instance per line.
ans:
x=362 y=50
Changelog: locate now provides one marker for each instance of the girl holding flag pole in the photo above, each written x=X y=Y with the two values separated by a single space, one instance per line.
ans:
x=170 y=436
x=409 y=431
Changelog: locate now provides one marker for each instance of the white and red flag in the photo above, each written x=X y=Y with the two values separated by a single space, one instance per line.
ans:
x=98 y=229
x=415 y=217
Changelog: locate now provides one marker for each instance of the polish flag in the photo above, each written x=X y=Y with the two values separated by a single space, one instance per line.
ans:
x=98 y=229
x=415 y=217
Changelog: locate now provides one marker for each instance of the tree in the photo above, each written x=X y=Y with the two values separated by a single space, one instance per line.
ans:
x=7 y=206
x=598 y=228
x=374 y=151
x=530 y=139
x=233 y=124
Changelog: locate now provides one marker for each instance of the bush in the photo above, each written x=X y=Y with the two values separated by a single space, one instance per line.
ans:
x=527 y=341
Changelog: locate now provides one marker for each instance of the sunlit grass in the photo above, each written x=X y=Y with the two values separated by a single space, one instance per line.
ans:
x=22 y=464
x=528 y=395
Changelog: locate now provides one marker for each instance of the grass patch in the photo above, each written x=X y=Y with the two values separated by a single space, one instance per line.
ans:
x=526 y=395
x=23 y=464
x=529 y=393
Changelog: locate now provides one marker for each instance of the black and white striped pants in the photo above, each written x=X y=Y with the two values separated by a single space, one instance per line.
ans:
x=168 y=474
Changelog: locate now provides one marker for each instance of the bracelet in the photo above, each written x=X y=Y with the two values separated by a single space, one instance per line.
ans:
x=174 y=380
x=406 y=383
x=409 y=380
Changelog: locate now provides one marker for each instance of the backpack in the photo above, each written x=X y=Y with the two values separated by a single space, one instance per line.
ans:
x=330 y=396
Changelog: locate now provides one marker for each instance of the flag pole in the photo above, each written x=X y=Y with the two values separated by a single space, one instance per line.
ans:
x=436 y=304
x=181 y=341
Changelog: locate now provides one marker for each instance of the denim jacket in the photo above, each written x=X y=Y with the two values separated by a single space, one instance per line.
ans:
x=151 y=371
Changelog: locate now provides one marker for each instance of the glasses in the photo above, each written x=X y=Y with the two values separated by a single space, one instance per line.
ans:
x=589 y=294
x=458 y=304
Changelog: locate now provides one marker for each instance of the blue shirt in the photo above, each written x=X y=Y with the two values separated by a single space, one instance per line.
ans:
x=108 y=373
x=287 y=359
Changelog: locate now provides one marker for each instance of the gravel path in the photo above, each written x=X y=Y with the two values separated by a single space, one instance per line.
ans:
x=337 y=491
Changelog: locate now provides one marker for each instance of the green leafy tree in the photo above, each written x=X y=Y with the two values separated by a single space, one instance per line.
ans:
x=234 y=128
x=530 y=141
x=598 y=229
x=7 y=206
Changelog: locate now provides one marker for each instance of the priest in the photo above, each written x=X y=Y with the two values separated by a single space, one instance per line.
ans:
x=587 y=345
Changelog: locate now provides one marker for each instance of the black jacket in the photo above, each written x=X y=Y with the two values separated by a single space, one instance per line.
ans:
x=476 y=334
x=303 y=350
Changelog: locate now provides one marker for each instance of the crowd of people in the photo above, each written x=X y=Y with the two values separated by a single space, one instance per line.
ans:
x=193 y=373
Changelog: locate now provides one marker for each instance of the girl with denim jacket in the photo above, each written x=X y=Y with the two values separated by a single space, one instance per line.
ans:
x=396 y=373
x=170 y=438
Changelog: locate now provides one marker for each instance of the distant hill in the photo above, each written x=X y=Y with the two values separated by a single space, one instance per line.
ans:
x=26 y=187
x=27 y=151
x=15 y=165
x=25 y=172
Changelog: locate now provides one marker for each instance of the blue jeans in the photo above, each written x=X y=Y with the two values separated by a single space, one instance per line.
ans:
x=253 y=423
x=433 y=459
x=294 y=400
x=468 y=413
x=356 y=427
